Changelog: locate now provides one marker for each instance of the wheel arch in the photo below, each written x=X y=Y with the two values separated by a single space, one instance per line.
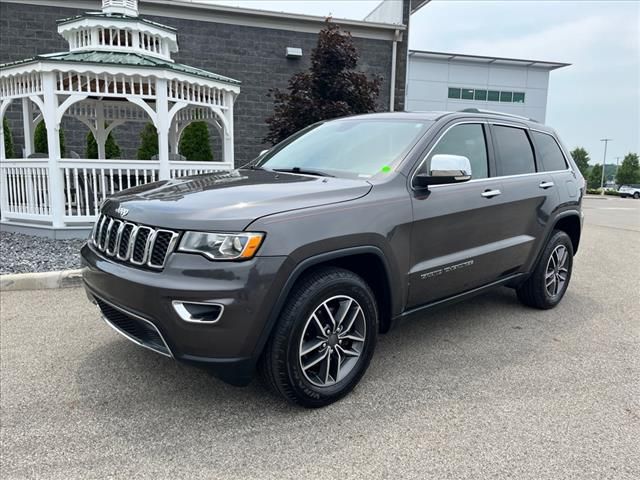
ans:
x=570 y=224
x=366 y=261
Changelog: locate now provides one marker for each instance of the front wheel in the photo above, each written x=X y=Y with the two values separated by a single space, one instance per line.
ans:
x=324 y=339
x=636 y=195
x=549 y=281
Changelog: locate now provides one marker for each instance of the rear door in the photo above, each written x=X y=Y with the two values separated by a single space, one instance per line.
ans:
x=552 y=161
x=457 y=239
x=530 y=192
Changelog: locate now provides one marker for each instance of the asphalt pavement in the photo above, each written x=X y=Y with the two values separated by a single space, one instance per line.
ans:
x=484 y=389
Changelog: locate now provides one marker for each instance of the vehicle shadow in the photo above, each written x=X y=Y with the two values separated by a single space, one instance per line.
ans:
x=118 y=379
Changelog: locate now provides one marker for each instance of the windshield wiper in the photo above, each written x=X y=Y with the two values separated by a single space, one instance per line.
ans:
x=303 y=171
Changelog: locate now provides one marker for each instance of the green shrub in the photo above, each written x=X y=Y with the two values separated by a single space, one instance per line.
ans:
x=613 y=193
x=8 y=139
x=40 y=140
x=593 y=191
x=629 y=171
x=111 y=148
x=194 y=143
x=148 y=142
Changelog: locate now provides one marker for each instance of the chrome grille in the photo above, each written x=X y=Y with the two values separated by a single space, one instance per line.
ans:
x=136 y=244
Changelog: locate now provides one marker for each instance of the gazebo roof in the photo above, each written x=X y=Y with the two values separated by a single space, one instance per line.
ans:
x=128 y=59
x=115 y=16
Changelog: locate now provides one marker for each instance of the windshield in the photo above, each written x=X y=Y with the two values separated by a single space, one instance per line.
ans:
x=346 y=148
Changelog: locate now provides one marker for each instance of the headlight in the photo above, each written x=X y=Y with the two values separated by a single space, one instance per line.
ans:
x=222 y=246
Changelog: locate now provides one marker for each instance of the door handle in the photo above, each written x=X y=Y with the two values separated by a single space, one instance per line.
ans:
x=545 y=185
x=491 y=193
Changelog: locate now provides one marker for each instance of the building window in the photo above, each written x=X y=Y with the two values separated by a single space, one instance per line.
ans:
x=485 y=95
x=467 y=93
x=480 y=95
x=506 y=96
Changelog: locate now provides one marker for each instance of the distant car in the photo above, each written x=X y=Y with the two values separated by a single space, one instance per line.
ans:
x=630 y=191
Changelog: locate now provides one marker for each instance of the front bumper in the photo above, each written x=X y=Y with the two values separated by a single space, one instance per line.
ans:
x=142 y=299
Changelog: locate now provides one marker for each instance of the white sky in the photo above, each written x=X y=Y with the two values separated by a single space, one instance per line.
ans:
x=597 y=97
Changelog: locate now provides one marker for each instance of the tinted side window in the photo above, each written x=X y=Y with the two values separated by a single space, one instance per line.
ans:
x=466 y=140
x=515 y=155
x=549 y=152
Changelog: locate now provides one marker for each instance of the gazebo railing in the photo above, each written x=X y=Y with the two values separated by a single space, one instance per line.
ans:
x=26 y=192
x=25 y=189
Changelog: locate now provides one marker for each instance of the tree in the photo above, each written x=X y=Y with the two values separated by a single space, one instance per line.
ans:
x=111 y=148
x=8 y=139
x=581 y=157
x=595 y=176
x=194 y=143
x=629 y=171
x=40 y=139
x=330 y=88
x=148 y=142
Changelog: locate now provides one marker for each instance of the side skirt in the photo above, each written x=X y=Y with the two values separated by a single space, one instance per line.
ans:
x=506 y=281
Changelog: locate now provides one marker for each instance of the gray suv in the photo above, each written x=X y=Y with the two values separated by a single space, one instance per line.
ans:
x=293 y=264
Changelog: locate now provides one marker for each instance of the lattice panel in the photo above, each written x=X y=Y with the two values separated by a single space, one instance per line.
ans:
x=21 y=85
x=105 y=84
x=184 y=91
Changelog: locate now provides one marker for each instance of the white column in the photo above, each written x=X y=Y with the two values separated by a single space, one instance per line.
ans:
x=3 y=153
x=162 y=125
x=101 y=138
x=4 y=192
x=56 y=179
x=228 y=134
x=173 y=138
x=27 y=123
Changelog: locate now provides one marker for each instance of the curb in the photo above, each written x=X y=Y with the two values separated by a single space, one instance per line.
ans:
x=596 y=197
x=41 y=281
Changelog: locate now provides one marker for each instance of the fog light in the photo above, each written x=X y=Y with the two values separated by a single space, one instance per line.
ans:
x=198 y=312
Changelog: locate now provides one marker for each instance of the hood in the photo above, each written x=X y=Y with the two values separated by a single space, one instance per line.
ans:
x=229 y=201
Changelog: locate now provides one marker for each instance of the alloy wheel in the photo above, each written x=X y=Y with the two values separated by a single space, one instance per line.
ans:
x=332 y=341
x=557 y=272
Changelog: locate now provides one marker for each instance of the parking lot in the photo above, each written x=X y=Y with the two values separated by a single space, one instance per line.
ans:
x=484 y=389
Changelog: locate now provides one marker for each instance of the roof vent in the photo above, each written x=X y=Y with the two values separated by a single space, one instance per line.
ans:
x=122 y=7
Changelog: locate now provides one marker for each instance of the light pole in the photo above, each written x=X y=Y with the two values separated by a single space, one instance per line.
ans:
x=604 y=163
x=617 y=165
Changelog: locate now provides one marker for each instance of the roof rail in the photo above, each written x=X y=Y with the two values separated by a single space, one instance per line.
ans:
x=491 y=112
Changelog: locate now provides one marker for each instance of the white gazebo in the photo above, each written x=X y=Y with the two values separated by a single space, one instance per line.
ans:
x=118 y=69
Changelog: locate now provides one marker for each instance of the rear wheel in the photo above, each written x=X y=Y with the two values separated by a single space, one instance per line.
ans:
x=549 y=281
x=324 y=339
x=636 y=195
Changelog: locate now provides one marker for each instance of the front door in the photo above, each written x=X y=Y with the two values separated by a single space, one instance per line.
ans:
x=459 y=239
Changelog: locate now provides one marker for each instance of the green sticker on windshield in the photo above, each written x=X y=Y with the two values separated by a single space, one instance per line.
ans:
x=385 y=169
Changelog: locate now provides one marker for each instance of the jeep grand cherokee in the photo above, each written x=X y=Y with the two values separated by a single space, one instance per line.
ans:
x=294 y=264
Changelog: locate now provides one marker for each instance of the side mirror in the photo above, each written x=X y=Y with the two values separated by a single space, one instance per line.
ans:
x=445 y=169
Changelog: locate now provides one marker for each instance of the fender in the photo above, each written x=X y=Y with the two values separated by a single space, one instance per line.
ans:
x=299 y=269
x=558 y=217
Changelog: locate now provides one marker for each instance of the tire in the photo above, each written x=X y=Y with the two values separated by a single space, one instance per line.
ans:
x=636 y=195
x=540 y=290
x=323 y=291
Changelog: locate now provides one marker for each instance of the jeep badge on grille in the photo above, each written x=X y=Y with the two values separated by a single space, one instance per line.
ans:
x=123 y=212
